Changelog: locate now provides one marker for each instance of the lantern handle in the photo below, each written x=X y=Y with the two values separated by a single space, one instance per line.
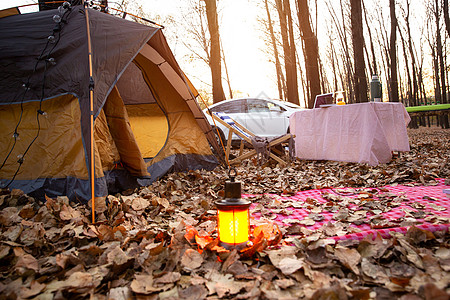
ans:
x=232 y=173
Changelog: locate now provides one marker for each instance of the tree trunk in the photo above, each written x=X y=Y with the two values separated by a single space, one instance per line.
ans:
x=280 y=77
x=415 y=86
x=409 y=89
x=358 y=52
x=446 y=17
x=439 y=53
x=215 y=61
x=366 y=52
x=288 y=50
x=304 y=82
x=420 y=76
x=345 y=74
x=437 y=88
x=226 y=72
x=372 y=48
x=348 y=58
x=393 y=53
x=440 y=56
x=382 y=40
x=333 y=65
x=311 y=51
x=293 y=91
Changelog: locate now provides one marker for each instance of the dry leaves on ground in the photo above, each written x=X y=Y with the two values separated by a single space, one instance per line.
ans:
x=160 y=242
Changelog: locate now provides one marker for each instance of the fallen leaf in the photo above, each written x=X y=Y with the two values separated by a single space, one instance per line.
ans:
x=143 y=284
x=290 y=265
x=203 y=241
x=139 y=204
x=307 y=222
x=79 y=282
x=271 y=232
x=191 y=259
x=120 y=293
x=193 y=292
x=411 y=255
x=231 y=259
x=350 y=258
x=68 y=213
x=34 y=289
x=170 y=277
x=28 y=262
x=376 y=272
x=223 y=285
x=155 y=248
x=276 y=256
x=190 y=235
x=285 y=283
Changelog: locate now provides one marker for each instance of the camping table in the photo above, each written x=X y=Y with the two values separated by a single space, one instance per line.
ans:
x=362 y=132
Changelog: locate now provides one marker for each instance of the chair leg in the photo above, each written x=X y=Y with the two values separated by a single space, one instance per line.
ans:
x=230 y=135
x=241 y=148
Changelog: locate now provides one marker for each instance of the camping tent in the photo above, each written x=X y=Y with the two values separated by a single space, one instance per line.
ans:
x=55 y=65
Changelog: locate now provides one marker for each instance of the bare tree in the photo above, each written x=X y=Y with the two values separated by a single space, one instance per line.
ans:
x=409 y=41
x=358 y=51
x=420 y=76
x=215 y=57
x=384 y=48
x=332 y=58
x=198 y=42
x=226 y=71
x=432 y=43
x=393 y=54
x=373 y=65
x=341 y=29
x=281 y=84
x=446 y=17
x=440 y=58
x=311 y=51
x=293 y=92
x=439 y=51
x=286 y=27
x=408 y=101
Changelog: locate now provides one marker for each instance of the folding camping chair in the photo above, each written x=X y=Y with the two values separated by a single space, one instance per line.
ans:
x=246 y=136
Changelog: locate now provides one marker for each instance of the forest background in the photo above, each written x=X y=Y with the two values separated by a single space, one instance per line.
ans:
x=296 y=49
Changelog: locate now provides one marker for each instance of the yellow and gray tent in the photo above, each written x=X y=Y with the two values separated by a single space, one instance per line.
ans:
x=147 y=121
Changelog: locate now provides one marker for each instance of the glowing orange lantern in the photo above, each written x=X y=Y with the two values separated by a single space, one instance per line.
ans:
x=233 y=217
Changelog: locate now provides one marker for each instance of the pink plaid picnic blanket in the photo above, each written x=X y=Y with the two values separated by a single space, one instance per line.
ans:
x=425 y=206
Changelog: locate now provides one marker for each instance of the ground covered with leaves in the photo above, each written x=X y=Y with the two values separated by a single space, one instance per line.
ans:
x=160 y=242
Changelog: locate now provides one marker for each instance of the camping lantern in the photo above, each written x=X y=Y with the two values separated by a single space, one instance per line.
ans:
x=233 y=217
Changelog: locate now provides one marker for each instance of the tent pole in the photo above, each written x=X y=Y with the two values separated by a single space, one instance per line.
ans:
x=91 y=117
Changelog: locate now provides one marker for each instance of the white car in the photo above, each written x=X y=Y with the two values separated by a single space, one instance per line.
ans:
x=263 y=117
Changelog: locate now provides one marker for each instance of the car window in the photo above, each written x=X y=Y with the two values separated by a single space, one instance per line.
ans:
x=237 y=106
x=255 y=105
x=275 y=107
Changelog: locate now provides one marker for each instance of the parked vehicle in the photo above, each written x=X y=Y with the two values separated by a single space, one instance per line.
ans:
x=263 y=117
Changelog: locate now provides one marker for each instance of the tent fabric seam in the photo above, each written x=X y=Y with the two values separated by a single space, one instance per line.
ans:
x=39 y=100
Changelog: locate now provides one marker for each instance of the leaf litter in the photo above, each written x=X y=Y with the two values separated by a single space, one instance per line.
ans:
x=160 y=241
